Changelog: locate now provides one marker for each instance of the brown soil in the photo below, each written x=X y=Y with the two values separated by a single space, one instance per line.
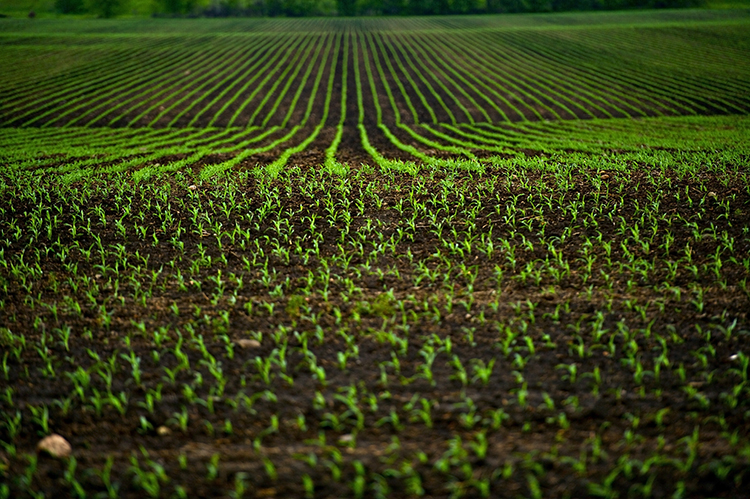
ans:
x=529 y=451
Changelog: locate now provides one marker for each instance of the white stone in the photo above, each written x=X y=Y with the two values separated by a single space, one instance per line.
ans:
x=247 y=343
x=55 y=445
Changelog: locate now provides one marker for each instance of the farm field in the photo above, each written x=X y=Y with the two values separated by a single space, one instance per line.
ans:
x=497 y=256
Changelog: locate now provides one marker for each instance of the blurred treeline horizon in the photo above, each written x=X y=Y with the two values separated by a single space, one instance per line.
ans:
x=300 y=8
x=397 y=7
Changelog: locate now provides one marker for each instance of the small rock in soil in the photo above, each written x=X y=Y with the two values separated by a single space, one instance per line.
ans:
x=163 y=431
x=55 y=445
x=245 y=343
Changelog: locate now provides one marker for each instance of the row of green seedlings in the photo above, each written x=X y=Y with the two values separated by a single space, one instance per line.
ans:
x=486 y=140
x=726 y=94
x=73 y=160
x=188 y=143
x=170 y=68
x=272 y=54
x=266 y=131
x=196 y=145
x=460 y=88
x=592 y=100
x=276 y=167
x=172 y=93
x=558 y=95
x=97 y=67
x=574 y=94
x=195 y=139
x=644 y=87
x=122 y=70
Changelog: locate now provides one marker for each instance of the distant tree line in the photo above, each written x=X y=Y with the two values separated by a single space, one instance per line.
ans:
x=299 y=8
x=101 y=8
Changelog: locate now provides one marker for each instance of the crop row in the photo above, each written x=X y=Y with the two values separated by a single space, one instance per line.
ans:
x=421 y=76
x=76 y=153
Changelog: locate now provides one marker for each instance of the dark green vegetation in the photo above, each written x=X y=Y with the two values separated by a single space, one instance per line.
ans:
x=354 y=259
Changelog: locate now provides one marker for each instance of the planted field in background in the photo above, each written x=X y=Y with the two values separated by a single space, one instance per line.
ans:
x=449 y=257
x=220 y=94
